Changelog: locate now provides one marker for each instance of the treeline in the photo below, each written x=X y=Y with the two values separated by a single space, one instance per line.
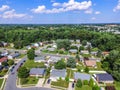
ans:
x=22 y=36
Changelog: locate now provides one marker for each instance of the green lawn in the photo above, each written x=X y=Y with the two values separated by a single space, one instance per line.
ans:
x=3 y=72
x=68 y=72
x=60 y=83
x=1 y=81
x=29 y=80
x=31 y=64
x=85 y=87
x=117 y=85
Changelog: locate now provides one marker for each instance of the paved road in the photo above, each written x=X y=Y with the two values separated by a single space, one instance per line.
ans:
x=11 y=80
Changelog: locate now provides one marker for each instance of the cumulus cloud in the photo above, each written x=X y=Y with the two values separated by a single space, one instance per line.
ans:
x=97 y=12
x=12 y=14
x=117 y=8
x=71 y=5
x=4 y=7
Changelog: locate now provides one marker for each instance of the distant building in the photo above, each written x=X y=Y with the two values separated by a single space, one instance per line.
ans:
x=56 y=74
x=84 y=52
x=51 y=49
x=54 y=59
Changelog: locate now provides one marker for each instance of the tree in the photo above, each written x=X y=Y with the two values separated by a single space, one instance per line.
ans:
x=81 y=48
x=10 y=62
x=67 y=79
x=31 y=54
x=86 y=70
x=85 y=82
x=71 y=62
x=95 y=87
x=60 y=65
x=79 y=83
x=77 y=57
x=99 y=53
x=4 y=63
x=84 y=42
x=23 y=72
x=18 y=44
x=65 y=43
x=91 y=83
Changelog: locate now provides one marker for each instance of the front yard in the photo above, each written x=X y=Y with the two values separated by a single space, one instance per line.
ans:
x=1 y=81
x=85 y=87
x=29 y=81
x=117 y=85
x=60 y=83
x=31 y=64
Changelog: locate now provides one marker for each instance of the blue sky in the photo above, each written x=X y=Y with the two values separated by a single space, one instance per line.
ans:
x=59 y=11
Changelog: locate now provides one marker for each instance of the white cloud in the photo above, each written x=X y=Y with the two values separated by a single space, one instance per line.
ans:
x=39 y=9
x=12 y=14
x=117 y=8
x=89 y=11
x=97 y=12
x=56 y=4
x=71 y=5
x=93 y=18
x=4 y=7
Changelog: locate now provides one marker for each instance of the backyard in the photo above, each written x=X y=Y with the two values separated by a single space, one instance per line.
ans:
x=85 y=87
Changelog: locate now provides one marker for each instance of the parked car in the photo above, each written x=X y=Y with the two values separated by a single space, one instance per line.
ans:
x=48 y=82
x=73 y=85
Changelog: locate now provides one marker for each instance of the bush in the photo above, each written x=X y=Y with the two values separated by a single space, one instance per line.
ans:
x=85 y=82
x=79 y=83
x=86 y=70
x=61 y=52
x=67 y=79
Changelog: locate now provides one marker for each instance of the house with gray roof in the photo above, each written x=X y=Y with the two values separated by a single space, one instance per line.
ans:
x=39 y=59
x=51 y=49
x=13 y=55
x=54 y=59
x=73 y=51
x=37 y=72
x=56 y=74
x=104 y=78
x=81 y=76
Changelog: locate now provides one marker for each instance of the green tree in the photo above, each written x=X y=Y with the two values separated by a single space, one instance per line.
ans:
x=84 y=42
x=91 y=83
x=4 y=63
x=81 y=48
x=60 y=65
x=65 y=43
x=79 y=83
x=86 y=70
x=10 y=62
x=23 y=72
x=31 y=54
x=77 y=57
x=85 y=82
x=71 y=62
x=95 y=87
x=67 y=79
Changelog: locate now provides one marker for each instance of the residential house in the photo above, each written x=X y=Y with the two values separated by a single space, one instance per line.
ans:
x=90 y=63
x=54 y=59
x=28 y=47
x=51 y=49
x=84 y=52
x=77 y=41
x=56 y=74
x=72 y=41
x=77 y=45
x=4 y=53
x=81 y=76
x=13 y=55
x=104 y=78
x=94 y=53
x=37 y=72
x=73 y=51
x=105 y=53
x=3 y=59
x=39 y=59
